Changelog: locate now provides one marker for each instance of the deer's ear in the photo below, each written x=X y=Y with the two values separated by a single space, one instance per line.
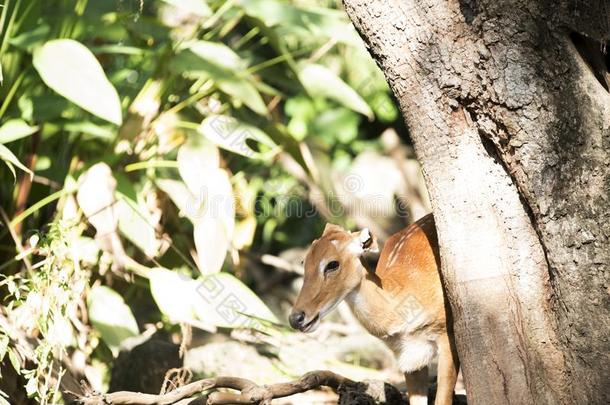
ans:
x=332 y=228
x=368 y=241
x=363 y=241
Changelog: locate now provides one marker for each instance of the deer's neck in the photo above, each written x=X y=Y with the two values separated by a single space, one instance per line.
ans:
x=374 y=307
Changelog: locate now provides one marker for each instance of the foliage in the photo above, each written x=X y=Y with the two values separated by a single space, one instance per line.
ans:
x=142 y=139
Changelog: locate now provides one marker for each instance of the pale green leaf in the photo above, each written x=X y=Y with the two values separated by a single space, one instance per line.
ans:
x=213 y=228
x=136 y=224
x=104 y=132
x=195 y=159
x=243 y=235
x=226 y=68
x=219 y=300
x=70 y=69
x=188 y=205
x=208 y=202
x=15 y=129
x=14 y=359
x=11 y=168
x=230 y=303
x=30 y=39
x=273 y=12
x=95 y=197
x=88 y=251
x=4 y=340
x=305 y=22
x=319 y=81
x=233 y=135
x=212 y=241
x=244 y=92
x=197 y=7
x=171 y=291
x=60 y=332
x=110 y=316
x=31 y=387
x=9 y=157
x=219 y=55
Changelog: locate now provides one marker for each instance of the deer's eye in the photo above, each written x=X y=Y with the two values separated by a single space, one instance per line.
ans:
x=331 y=266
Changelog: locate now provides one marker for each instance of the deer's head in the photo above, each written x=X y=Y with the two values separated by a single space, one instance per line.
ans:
x=332 y=270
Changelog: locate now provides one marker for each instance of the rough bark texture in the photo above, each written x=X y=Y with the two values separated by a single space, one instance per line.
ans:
x=508 y=106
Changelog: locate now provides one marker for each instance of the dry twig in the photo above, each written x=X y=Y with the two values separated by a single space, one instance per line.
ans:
x=249 y=392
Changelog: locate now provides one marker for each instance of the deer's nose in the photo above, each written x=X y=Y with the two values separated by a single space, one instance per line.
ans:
x=296 y=319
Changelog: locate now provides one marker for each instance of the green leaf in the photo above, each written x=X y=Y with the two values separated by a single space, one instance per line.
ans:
x=273 y=12
x=305 y=22
x=28 y=40
x=301 y=109
x=10 y=159
x=110 y=316
x=244 y=92
x=137 y=226
x=225 y=67
x=219 y=300
x=233 y=135
x=277 y=42
x=178 y=192
x=195 y=160
x=135 y=221
x=213 y=236
x=337 y=124
x=281 y=136
x=70 y=69
x=4 y=340
x=31 y=387
x=319 y=81
x=14 y=359
x=197 y=7
x=212 y=206
x=230 y=303
x=243 y=235
x=95 y=196
x=11 y=168
x=15 y=129
x=219 y=55
x=88 y=250
x=45 y=108
x=172 y=292
x=104 y=132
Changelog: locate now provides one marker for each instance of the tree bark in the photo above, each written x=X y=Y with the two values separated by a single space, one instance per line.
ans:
x=507 y=104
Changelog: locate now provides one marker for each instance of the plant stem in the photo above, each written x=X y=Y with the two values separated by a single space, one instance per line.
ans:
x=45 y=201
x=11 y=93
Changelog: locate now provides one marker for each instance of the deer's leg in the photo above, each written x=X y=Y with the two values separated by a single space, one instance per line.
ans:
x=448 y=367
x=417 y=386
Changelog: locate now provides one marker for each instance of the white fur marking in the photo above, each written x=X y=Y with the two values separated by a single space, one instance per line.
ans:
x=414 y=353
x=418 y=399
x=365 y=235
x=355 y=248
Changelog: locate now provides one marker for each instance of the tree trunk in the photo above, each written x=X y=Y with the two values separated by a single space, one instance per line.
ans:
x=507 y=104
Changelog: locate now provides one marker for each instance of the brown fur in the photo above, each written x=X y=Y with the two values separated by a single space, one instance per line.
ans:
x=401 y=302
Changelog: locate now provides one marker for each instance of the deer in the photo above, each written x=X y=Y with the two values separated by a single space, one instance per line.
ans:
x=401 y=301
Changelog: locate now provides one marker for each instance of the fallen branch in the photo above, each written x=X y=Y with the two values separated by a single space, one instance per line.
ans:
x=249 y=392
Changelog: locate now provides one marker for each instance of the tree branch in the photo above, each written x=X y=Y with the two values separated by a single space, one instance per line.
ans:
x=249 y=392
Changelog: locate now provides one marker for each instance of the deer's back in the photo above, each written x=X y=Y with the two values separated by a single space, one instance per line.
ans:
x=408 y=268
